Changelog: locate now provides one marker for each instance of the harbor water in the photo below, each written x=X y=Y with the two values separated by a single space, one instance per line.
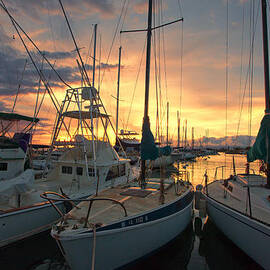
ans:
x=200 y=246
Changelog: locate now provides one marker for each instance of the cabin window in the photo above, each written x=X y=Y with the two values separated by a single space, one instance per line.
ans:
x=122 y=169
x=91 y=172
x=79 y=170
x=3 y=166
x=66 y=170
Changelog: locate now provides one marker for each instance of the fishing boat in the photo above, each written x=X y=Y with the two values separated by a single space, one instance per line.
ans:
x=82 y=169
x=122 y=224
x=86 y=163
x=240 y=205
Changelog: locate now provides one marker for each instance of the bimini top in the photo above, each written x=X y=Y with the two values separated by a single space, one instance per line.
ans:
x=84 y=114
x=16 y=117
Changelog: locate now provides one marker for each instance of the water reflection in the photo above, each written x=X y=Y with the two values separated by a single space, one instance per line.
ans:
x=197 y=169
x=29 y=253
x=220 y=253
x=175 y=255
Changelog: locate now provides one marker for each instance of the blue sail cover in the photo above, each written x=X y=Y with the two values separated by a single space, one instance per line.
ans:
x=260 y=149
x=149 y=151
x=22 y=139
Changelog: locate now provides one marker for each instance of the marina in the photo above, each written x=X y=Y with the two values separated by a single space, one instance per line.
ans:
x=128 y=141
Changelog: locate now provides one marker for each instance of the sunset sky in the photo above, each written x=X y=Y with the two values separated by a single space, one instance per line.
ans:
x=203 y=64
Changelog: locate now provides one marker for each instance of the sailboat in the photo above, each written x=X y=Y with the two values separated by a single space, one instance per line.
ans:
x=239 y=206
x=127 y=222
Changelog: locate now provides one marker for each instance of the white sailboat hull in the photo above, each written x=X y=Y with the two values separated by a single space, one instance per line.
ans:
x=24 y=223
x=118 y=247
x=251 y=236
x=163 y=161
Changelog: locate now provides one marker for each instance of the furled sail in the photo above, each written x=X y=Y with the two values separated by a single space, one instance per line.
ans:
x=260 y=149
x=149 y=150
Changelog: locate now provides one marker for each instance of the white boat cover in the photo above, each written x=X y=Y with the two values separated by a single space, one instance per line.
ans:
x=18 y=185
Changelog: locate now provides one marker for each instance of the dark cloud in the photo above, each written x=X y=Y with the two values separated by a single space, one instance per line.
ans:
x=58 y=55
x=3 y=107
x=11 y=70
x=102 y=66
x=34 y=9
x=12 y=63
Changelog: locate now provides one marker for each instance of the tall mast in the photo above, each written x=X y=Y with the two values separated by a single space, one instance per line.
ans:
x=266 y=72
x=147 y=78
x=94 y=56
x=117 y=96
x=167 y=123
x=178 y=129
x=186 y=135
x=148 y=57
x=192 y=142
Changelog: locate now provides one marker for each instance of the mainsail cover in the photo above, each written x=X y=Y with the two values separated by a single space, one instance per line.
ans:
x=149 y=150
x=260 y=149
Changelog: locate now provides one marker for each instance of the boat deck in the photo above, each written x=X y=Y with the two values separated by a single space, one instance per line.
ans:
x=134 y=199
x=235 y=196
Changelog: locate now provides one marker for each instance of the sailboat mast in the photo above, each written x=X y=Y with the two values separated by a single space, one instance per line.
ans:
x=266 y=74
x=265 y=55
x=148 y=57
x=178 y=130
x=94 y=56
x=147 y=78
x=117 y=96
x=167 y=123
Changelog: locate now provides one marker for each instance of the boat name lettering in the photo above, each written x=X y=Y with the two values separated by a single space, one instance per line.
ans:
x=134 y=221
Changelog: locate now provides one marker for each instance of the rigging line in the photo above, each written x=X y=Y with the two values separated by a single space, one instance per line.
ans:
x=181 y=66
x=158 y=74
x=19 y=86
x=164 y=54
x=163 y=107
x=180 y=8
x=42 y=99
x=248 y=71
x=14 y=22
x=114 y=36
x=75 y=43
x=251 y=71
x=99 y=65
x=124 y=17
x=39 y=84
x=242 y=50
x=50 y=23
x=136 y=81
x=227 y=75
x=55 y=102
x=250 y=68
x=89 y=50
x=159 y=43
x=157 y=135
x=160 y=57
x=181 y=57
